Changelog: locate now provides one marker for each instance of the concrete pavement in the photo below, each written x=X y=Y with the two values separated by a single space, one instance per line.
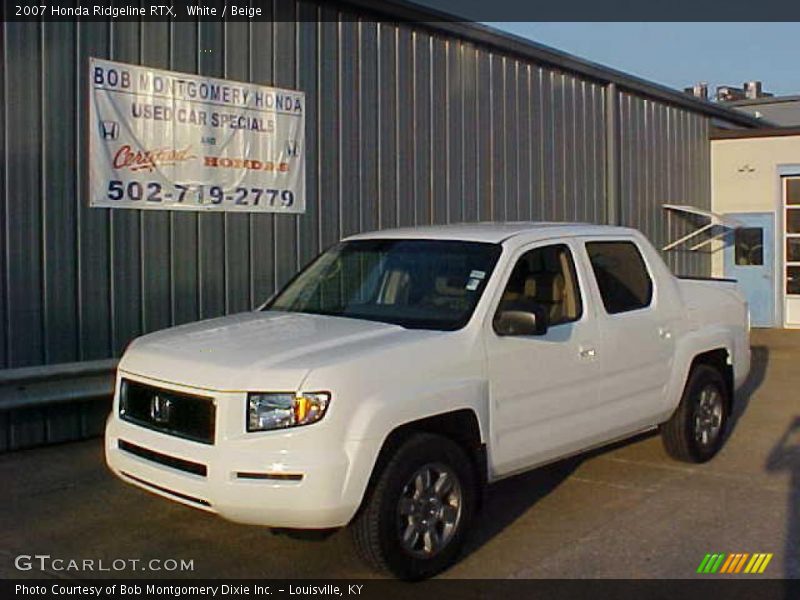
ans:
x=624 y=512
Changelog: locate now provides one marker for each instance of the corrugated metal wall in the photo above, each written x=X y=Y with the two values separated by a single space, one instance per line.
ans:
x=404 y=126
x=665 y=157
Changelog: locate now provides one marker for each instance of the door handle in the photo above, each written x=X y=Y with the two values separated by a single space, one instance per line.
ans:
x=588 y=352
x=664 y=333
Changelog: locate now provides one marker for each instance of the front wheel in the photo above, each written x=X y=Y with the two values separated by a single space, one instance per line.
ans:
x=696 y=430
x=414 y=521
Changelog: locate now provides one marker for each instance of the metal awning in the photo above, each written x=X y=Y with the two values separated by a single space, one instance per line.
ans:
x=714 y=220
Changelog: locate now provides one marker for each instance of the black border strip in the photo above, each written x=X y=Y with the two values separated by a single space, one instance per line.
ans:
x=163 y=459
x=270 y=476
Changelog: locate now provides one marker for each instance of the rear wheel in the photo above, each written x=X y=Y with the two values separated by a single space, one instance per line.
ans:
x=414 y=521
x=696 y=430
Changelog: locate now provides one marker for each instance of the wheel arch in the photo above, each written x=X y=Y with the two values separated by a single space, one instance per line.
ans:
x=720 y=359
x=462 y=426
x=679 y=432
x=714 y=346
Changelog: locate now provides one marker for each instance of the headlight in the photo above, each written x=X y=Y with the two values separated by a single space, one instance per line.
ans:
x=267 y=411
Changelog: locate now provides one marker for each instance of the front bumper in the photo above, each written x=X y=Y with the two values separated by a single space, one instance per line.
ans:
x=303 y=478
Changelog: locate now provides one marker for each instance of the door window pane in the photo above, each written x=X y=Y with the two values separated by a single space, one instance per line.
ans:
x=793 y=249
x=793 y=191
x=749 y=246
x=793 y=280
x=621 y=275
x=793 y=220
x=545 y=277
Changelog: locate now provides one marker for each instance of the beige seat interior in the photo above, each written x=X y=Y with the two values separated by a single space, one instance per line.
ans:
x=570 y=293
x=395 y=288
x=551 y=285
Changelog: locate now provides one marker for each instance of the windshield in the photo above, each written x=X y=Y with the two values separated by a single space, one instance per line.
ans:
x=421 y=284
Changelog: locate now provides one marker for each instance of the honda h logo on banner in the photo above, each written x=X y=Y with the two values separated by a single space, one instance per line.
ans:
x=167 y=140
x=109 y=130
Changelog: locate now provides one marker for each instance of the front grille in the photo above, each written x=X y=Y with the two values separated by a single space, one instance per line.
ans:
x=163 y=459
x=174 y=413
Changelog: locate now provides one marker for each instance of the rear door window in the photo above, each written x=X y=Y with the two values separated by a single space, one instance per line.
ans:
x=621 y=275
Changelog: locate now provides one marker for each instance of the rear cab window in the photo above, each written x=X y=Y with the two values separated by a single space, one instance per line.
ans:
x=621 y=274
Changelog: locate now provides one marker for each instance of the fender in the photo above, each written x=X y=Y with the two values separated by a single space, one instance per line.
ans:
x=382 y=414
x=400 y=384
x=378 y=416
x=693 y=343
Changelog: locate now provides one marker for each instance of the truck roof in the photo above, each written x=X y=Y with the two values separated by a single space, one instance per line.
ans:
x=493 y=232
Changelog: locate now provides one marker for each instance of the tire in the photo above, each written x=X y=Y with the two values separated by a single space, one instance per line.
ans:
x=696 y=430
x=395 y=507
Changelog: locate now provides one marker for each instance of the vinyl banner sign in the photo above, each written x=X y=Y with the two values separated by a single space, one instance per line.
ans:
x=166 y=140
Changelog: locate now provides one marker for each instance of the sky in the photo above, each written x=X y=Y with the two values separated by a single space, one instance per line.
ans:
x=681 y=54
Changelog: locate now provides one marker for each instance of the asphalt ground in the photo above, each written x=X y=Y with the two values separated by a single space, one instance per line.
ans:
x=627 y=511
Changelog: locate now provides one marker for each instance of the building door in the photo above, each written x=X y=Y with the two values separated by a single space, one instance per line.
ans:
x=791 y=252
x=750 y=260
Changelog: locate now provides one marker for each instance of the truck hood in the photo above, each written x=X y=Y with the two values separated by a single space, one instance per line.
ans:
x=251 y=351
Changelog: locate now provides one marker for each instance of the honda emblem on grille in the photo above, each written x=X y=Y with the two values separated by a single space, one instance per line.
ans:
x=160 y=409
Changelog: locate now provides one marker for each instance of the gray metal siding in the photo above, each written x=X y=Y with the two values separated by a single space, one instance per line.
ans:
x=665 y=158
x=784 y=112
x=405 y=125
x=23 y=219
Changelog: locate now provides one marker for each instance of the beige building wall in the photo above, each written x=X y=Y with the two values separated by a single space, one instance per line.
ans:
x=746 y=177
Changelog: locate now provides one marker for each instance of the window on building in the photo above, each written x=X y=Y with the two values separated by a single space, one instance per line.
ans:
x=793 y=249
x=621 y=275
x=793 y=220
x=793 y=280
x=793 y=191
x=748 y=244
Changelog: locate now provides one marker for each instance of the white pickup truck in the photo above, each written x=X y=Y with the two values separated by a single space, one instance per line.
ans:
x=403 y=370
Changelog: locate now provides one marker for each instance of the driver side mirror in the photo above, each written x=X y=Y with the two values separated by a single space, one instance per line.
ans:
x=517 y=318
